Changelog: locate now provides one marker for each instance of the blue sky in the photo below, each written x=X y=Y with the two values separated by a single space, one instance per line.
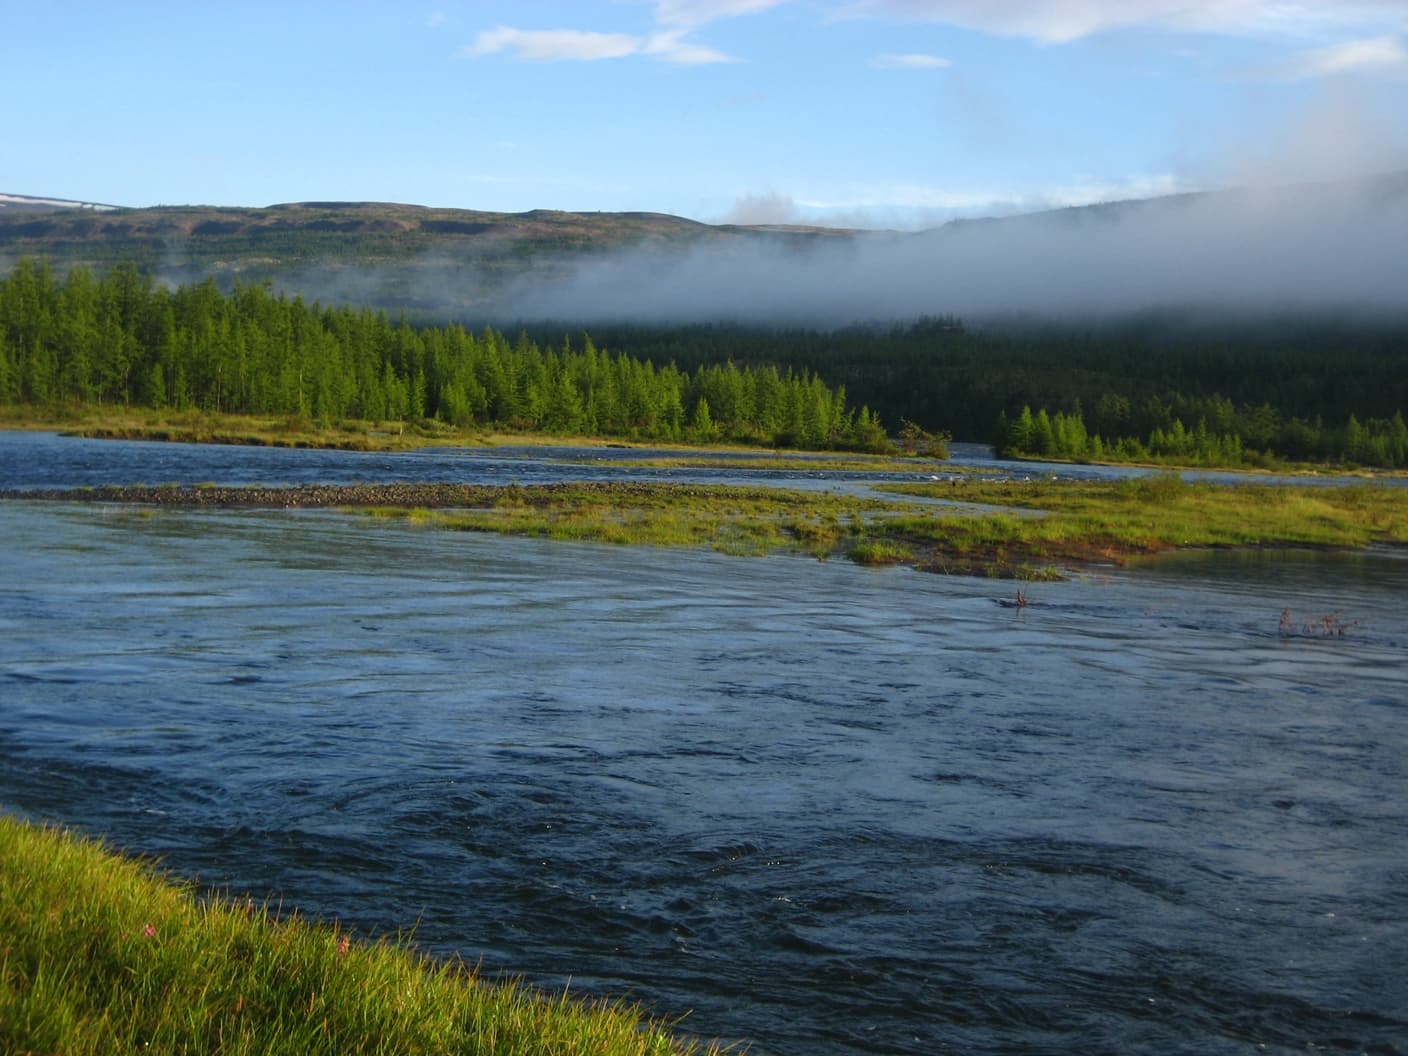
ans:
x=864 y=112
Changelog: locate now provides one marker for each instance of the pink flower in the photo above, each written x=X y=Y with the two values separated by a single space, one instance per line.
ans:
x=149 y=931
x=343 y=945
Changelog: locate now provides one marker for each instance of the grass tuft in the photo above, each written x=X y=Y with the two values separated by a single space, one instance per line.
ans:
x=100 y=953
x=880 y=552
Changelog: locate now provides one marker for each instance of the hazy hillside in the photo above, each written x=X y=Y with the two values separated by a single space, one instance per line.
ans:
x=389 y=255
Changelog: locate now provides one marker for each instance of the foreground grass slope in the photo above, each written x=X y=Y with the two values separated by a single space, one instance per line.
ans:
x=100 y=954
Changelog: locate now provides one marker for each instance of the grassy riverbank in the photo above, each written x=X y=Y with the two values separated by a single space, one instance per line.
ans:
x=205 y=427
x=209 y=427
x=100 y=954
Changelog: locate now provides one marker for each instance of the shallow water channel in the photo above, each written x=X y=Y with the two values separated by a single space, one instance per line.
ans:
x=820 y=808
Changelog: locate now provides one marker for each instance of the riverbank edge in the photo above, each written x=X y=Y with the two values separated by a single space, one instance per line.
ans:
x=102 y=952
x=241 y=430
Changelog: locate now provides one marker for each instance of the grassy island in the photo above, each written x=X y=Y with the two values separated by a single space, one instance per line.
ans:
x=1008 y=529
x=101 y=953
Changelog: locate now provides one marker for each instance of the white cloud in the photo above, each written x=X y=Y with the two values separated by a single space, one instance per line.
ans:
x=677 y=19
x=1061 y=21
x=1375 y=55
x=692 y=13
x=911 y=62
x=672 y=48
x=554 y=45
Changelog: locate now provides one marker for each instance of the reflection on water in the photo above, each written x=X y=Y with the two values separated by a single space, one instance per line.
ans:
x=827 y=809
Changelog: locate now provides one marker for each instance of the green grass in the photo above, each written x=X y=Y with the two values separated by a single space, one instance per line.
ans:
x=1088 y=521
x=105 y=422
x=1065 y=522
x=744 y=521
x=880 y=552
x=101 y=954
x=208 y=427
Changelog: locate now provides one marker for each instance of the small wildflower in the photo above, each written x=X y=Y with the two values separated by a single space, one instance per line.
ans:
x=343 y=945
x=149 y=931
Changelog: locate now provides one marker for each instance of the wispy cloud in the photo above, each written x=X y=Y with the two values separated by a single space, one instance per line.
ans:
x=671 y=47
x=910 y=62
x=1062 y=21
x=1374 y=55
x=554 y=45
x=693 y=13
x=675 y=20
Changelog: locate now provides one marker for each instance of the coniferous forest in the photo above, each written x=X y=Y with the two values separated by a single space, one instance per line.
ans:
x=1179 y=387
x=121 y=339
x=1156 y=388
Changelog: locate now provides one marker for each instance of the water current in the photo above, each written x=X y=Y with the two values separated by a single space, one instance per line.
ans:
x=821 y=809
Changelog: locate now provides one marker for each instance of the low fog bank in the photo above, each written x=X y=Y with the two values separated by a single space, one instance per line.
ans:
x=1309 y=249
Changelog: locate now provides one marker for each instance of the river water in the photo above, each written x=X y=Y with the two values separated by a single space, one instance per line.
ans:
x=821 y=809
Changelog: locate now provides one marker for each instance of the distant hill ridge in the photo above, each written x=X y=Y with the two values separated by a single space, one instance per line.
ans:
x=389 y=255
x=37 y=222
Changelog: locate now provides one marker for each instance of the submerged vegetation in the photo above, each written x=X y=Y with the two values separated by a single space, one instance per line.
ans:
x=1015 y=529
x=99 y=954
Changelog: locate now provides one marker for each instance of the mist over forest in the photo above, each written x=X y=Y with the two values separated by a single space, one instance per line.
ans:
x=1296 y=250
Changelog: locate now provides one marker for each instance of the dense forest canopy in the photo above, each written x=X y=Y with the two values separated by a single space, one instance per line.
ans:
x=122 y=339
x=1296 y=385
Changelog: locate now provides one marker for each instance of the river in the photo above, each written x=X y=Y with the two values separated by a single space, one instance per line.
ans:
x=822 y=809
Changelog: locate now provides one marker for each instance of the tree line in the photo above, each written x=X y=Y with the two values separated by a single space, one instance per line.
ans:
x=1208 y=432
x=1288 y=383
x=121 y=338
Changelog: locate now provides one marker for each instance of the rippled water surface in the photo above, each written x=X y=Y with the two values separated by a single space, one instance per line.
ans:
x=824 y=809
